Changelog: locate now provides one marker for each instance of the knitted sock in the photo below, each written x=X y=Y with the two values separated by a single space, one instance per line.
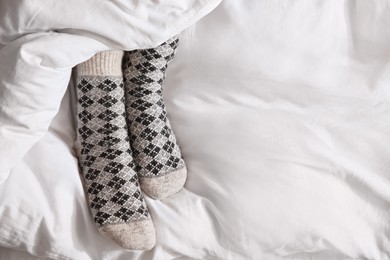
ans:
x=159 y=165
x=105 y=159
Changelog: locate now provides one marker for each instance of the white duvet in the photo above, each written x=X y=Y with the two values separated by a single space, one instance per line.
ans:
x=281 y=109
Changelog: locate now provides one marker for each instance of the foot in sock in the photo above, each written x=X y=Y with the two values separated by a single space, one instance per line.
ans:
x=157 y=157
x=111 y=185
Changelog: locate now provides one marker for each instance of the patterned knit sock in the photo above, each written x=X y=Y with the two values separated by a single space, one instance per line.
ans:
x=159 y=165
x=105 y=159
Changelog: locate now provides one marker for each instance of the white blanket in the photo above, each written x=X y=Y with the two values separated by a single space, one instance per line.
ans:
x=281 y=109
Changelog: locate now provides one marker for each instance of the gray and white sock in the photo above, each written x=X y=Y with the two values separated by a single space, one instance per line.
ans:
x=111 y=185
x=157 y=157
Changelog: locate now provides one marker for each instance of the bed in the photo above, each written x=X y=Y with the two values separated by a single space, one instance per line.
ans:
x=281 y=110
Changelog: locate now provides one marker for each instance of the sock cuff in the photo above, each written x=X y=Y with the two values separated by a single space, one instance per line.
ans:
x=105 y=63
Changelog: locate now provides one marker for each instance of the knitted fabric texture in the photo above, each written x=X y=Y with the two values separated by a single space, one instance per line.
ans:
x=154 y=145
x=105 y=158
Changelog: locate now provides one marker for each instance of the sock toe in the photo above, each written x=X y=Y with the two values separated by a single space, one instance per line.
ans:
x=164 y=186
x=137 y=235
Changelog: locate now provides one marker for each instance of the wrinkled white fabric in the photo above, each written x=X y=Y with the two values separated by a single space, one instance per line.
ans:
x=282 y=112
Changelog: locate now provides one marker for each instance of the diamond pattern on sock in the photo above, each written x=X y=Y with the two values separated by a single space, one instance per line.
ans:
x=153 y=143
x=105 y=159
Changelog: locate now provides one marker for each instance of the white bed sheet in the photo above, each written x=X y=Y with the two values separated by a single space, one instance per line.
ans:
x=282 y=112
